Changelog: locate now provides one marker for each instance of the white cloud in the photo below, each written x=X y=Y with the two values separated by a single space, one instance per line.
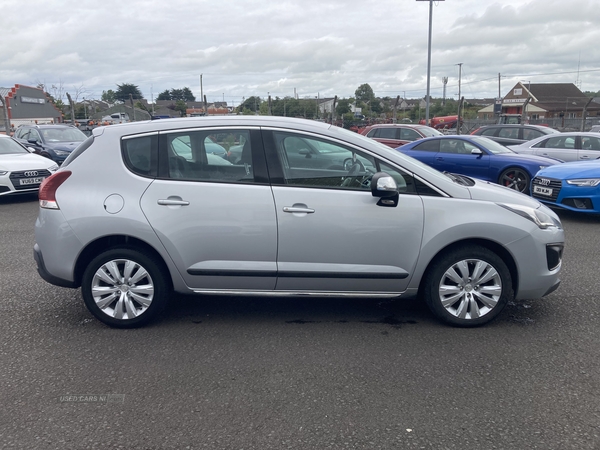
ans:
x=318 y=47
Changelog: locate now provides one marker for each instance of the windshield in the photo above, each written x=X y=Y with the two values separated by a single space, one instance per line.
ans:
x=9 y=146
x=491 y=146
x=66 y=134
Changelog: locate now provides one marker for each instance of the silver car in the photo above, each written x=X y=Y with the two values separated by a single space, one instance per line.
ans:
x=132 y=215
x=573 y=146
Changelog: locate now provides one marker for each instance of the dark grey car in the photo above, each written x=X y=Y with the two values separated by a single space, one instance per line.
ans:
x=507 y=134
x=52 y=141
x=133 y=215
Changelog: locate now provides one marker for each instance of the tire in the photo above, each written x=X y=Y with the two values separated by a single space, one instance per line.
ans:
x=468 y=287
x=515 y=178
x=124 y=288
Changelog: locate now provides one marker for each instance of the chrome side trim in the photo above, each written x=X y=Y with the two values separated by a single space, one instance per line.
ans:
x=246 y=293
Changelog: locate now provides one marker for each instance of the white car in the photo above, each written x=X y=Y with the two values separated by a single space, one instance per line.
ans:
x=21 y=172
x=572 y=146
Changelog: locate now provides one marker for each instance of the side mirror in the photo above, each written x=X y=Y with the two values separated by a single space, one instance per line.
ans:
x=476 y=151
x=385 y=187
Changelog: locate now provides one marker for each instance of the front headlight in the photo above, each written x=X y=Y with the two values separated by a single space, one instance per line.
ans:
x=3 y=172
x=54 y=168
x=537 y=216
x=61 y=152
x=584 y=182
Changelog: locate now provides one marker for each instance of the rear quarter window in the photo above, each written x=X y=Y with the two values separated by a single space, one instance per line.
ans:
x=140 y=155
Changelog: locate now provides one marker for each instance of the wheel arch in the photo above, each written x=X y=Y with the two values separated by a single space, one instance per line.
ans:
x=510 y=166
x=106 y=243
x=498 y=249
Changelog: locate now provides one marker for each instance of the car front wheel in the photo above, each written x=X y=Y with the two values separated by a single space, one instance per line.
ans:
x=468 y=287
x=124 y=288
x=515 y=178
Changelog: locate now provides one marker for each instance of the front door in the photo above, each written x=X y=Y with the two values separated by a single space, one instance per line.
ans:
x=333 y=237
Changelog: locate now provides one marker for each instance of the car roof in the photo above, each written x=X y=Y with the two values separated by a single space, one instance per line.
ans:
x=392 y=125
x=47 y=125
x=516 y=125
x=124 y=129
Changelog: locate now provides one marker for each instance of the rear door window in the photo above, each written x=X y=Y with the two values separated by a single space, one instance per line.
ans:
x=208 y=155
x=408 y=134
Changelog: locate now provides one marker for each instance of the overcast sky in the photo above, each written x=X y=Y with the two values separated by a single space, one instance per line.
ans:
x=309 y=47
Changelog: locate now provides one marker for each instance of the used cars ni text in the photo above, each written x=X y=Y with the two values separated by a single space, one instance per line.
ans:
x=357 y=219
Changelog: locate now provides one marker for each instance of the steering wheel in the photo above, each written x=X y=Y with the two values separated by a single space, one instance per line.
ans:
x=355 y=169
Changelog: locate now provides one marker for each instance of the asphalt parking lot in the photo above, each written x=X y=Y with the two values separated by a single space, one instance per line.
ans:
x=235 y=373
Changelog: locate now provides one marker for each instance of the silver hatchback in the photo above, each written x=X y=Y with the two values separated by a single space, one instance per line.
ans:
x=142 y=209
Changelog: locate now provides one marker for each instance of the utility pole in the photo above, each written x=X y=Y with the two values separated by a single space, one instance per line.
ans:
x=394 y=120
x=499 y=90
x=202 y=98
x=459 y=77
x=72 y=108
x=429 y=61
x=6 y=120
x=444 y=82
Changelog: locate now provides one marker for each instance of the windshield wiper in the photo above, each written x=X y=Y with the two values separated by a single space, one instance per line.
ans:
x=459 y=179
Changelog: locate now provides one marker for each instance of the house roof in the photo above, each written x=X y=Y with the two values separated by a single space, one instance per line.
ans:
x=557 y=96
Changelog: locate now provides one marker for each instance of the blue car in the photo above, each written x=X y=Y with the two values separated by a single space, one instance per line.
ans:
x=478 y=157
x=572 y=185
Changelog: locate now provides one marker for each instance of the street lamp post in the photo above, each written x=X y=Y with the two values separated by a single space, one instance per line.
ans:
x=429 y=59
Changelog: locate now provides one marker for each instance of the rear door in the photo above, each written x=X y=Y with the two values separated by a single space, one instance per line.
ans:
x=216 y=219
x=589 y=148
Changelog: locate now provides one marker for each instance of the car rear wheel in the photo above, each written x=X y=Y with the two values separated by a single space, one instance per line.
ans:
x=468 y=287
x=124 y=288
x=515 y=178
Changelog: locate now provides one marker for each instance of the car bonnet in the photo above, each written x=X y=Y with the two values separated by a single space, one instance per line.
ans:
x=575 y=169
x=487 y=191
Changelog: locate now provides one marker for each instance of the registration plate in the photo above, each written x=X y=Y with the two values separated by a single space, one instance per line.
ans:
x=542 y=190
x=26 y=181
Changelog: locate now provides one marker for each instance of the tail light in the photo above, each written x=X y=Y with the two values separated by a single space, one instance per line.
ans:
x=47 y=194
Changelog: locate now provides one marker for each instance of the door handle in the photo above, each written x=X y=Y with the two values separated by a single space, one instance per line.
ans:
x=171 y=202
x=295 y=209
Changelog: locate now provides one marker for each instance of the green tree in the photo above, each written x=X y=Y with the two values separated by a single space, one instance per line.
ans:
x=165 y=95
x=181 y=107
x=184 y=94
x=125 y=89
x=343 y=107
x=108 y=96
x=364 y=94
x=187 y=95
x=251 y=104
